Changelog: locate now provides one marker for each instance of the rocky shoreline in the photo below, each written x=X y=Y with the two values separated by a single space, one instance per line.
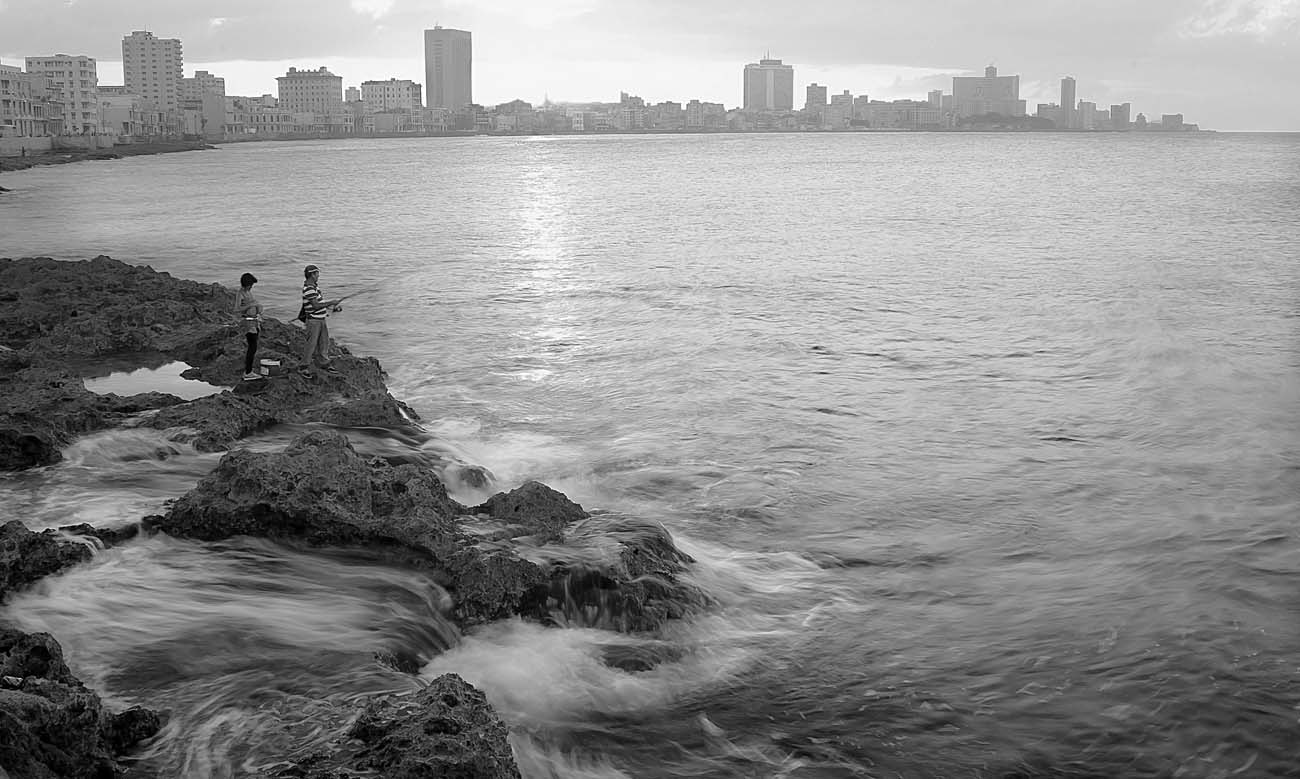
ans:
x=528 y=552
x=62 y=156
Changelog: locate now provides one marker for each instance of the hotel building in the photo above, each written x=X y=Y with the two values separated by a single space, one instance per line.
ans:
x=769 y=86
x=448 y=68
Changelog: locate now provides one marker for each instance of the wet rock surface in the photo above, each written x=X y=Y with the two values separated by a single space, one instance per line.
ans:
x=447 y=729
x=529 y=552
x=51 y=725
x=57 y=317
x=27 y=556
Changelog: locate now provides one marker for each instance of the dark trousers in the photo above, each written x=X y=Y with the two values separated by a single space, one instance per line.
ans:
x=252 y=350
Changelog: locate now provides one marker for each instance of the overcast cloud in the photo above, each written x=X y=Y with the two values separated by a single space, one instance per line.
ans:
x=1227 y=64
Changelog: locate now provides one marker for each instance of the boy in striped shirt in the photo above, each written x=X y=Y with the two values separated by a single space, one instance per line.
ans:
x=315 y=353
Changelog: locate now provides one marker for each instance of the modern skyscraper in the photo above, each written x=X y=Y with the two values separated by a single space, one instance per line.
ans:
x=153 y=68
x=1067 y=104
x=76 y=81
x=448 y=68
x=769 y=86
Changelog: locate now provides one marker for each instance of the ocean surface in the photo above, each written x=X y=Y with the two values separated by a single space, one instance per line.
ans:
x=987 y=445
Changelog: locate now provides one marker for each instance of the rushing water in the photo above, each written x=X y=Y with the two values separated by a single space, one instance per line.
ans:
x=987 y=445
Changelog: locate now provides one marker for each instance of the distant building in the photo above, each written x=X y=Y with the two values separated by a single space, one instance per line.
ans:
x=310 y=91
x=769 y=86
x=1067 y=104
x=30 y=106
x=153 y=68
x=315 y=99
x=256 y=117
x=935 y=98
x=843 y=101
x=814 y=97
x=898 y=114
x=75 y=81
x=666 y=116
x=1086 y=116
x=990 y=94
x=129 y=116
x=448 y=68
x=1051 y=112
x=705 y=116
x=1171 y=121
x=1119 y=116
x=390 y=95
x=202 y=83
x=860 y=105
x=352 y=95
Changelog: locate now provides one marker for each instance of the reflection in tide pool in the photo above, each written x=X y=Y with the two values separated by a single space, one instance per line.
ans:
x=166 y=379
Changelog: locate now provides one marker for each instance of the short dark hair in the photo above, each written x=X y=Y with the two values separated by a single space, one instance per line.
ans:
x=247 y=280
x=310 y=269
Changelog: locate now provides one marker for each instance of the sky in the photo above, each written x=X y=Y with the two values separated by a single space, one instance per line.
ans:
x=1225 y=64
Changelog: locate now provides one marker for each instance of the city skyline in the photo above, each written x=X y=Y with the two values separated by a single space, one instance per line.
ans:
x=1213 y=60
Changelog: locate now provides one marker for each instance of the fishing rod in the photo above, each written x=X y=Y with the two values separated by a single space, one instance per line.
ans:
x=365 y=291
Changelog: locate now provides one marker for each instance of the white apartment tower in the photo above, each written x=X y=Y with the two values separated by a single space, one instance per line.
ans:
x=153 y=68
x=76 y=82
x=448 y=68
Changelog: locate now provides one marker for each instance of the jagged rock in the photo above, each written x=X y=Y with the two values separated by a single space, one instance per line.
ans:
x=473 y=476
x=447 y=729
x=616 y=573
x=26 y=556
x=535 y=506
x=319 y=490
x=530 y=552
x=51 y=725
x=59 y=312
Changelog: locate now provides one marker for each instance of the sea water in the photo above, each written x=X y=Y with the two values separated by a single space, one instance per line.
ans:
x=986 y=445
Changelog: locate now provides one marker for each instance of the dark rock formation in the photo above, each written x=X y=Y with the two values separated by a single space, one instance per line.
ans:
x=447 y=729
x=50 y=724
x=530 y=551
x=57 y=315
x=34 y=158
x=26 y=556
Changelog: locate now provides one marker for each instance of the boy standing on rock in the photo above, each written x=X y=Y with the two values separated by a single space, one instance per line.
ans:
x=315 y=353
x=249 y=312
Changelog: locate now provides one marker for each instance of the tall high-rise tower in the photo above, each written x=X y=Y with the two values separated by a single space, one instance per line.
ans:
x=1068 y=112
x=152 y=68
x=769 y=86
x=448 y=68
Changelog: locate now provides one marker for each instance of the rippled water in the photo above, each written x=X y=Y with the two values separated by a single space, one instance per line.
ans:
x=988 y=445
